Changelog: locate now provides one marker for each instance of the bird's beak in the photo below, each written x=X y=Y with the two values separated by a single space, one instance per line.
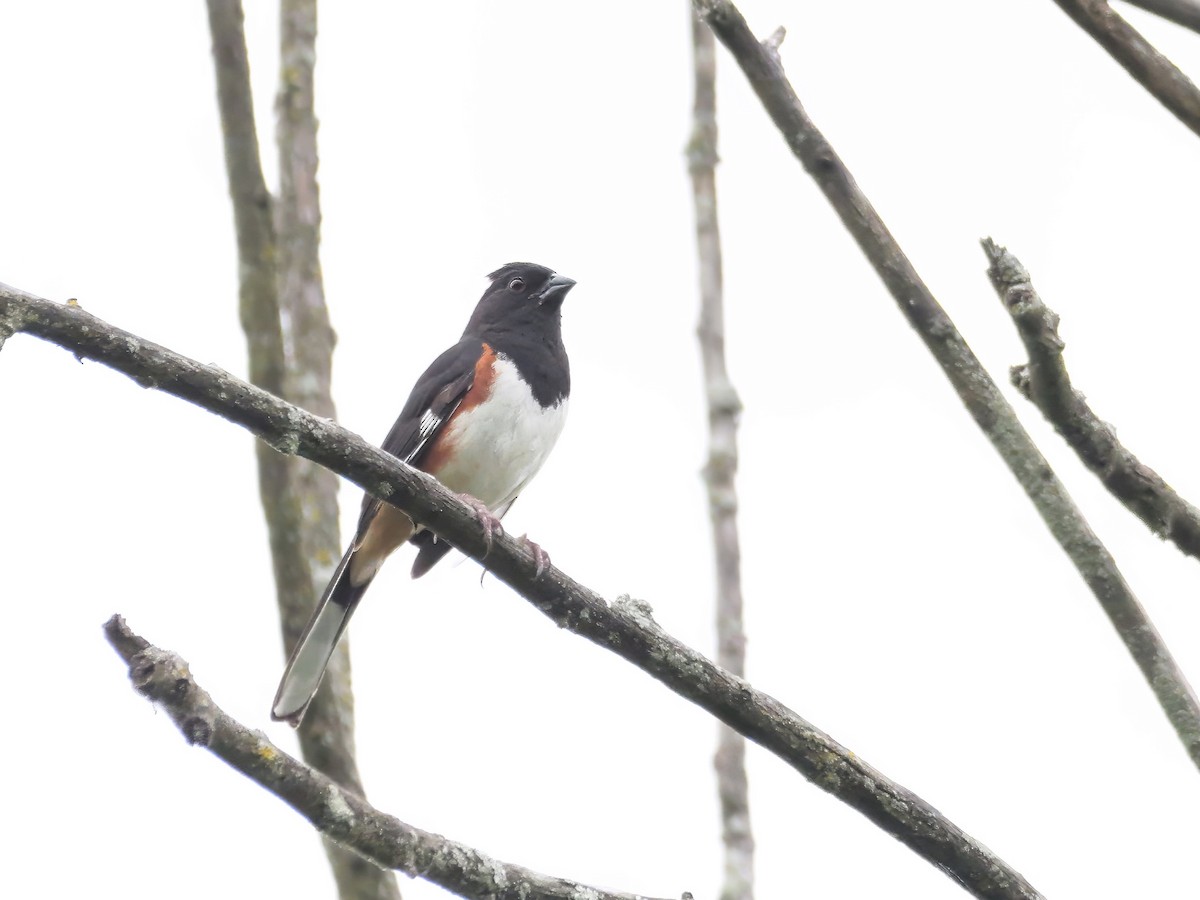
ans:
x=556 y=289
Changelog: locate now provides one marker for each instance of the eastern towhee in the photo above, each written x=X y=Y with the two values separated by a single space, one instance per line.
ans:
x=482 y=420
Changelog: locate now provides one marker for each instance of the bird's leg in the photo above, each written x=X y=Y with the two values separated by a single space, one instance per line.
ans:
x=540 y=557
x=490 y=523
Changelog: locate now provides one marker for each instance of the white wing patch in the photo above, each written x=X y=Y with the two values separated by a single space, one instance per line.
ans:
x=427 y=428
x=429 y=421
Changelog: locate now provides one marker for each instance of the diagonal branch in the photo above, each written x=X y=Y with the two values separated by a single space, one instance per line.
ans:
x=278 y=272
x=1045 y=382
x=1137 y=56
x=341 y=815
x=1181 y=12
x=975 y=388
x=733 y=788
x=625 y=627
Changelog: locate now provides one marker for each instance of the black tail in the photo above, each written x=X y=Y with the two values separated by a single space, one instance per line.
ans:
x=432 y=549
x=306 y=666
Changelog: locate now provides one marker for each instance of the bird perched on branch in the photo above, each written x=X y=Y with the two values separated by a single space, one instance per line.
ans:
x=482 y=420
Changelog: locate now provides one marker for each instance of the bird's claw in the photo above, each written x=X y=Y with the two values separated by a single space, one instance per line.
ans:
x=541 y=558
x=491 y=525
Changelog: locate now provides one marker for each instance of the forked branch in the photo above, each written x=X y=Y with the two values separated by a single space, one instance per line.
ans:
x=975 y=388
x=1044 y=381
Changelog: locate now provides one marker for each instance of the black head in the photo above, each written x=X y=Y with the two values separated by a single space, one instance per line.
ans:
x=522 y=297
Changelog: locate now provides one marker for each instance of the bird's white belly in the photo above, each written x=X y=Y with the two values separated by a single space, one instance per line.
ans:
x=499 y=445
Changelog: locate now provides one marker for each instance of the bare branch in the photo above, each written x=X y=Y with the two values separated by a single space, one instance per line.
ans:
x=252 y=206
x=278 y=272
x=625 y=627
x=308 y=335
x=341 y=815
x=1181 y=12
x=259 y=304
x=1045 y=382
x=327 y=733
x=975 y=388
x=1137 y=56
x=733 y=789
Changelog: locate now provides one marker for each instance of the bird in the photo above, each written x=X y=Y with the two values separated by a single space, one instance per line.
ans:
x=482 y=419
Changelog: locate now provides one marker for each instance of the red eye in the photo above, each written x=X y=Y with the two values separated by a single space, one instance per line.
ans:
x=516 y=285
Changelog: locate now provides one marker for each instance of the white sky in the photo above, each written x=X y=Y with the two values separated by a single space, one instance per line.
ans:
x=901 y=592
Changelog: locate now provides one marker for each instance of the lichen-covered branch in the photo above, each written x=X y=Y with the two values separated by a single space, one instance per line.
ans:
x=733 y=788
x=625 y=627
x=1137 y=56
x=975 y=388
x=279 y=280
x=341 y=815
x=1045 y=382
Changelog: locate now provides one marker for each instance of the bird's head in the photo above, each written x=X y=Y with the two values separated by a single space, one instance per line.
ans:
x=520 y=296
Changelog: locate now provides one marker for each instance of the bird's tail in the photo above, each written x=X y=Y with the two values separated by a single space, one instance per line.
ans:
x=306 y=666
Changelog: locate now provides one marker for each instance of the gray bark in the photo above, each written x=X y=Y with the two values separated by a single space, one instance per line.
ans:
x=975 y=388
x=733 y=787
x=290 y=346
x=1137 y=56
x=1044 y=382
x=625 y=627
x=341 y=815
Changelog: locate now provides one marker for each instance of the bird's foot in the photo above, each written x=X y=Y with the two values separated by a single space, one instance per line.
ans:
x=491 y=524
x=540 y=557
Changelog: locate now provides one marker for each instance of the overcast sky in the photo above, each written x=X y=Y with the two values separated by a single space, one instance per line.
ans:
x=901 y=592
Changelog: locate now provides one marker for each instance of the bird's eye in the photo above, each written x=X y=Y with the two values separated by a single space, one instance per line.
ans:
x=517 y=285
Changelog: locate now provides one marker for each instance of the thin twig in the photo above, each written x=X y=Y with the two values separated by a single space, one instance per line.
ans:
x=1181 y=12
x=341 y=815
x=733 y=788
x=278 y=266
x=1045 y=382
x=625 y=627
x=1153 y=71
x=975 y=388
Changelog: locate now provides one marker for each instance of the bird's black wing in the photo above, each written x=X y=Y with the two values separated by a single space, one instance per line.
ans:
x=433 y=400
x=437 y=394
